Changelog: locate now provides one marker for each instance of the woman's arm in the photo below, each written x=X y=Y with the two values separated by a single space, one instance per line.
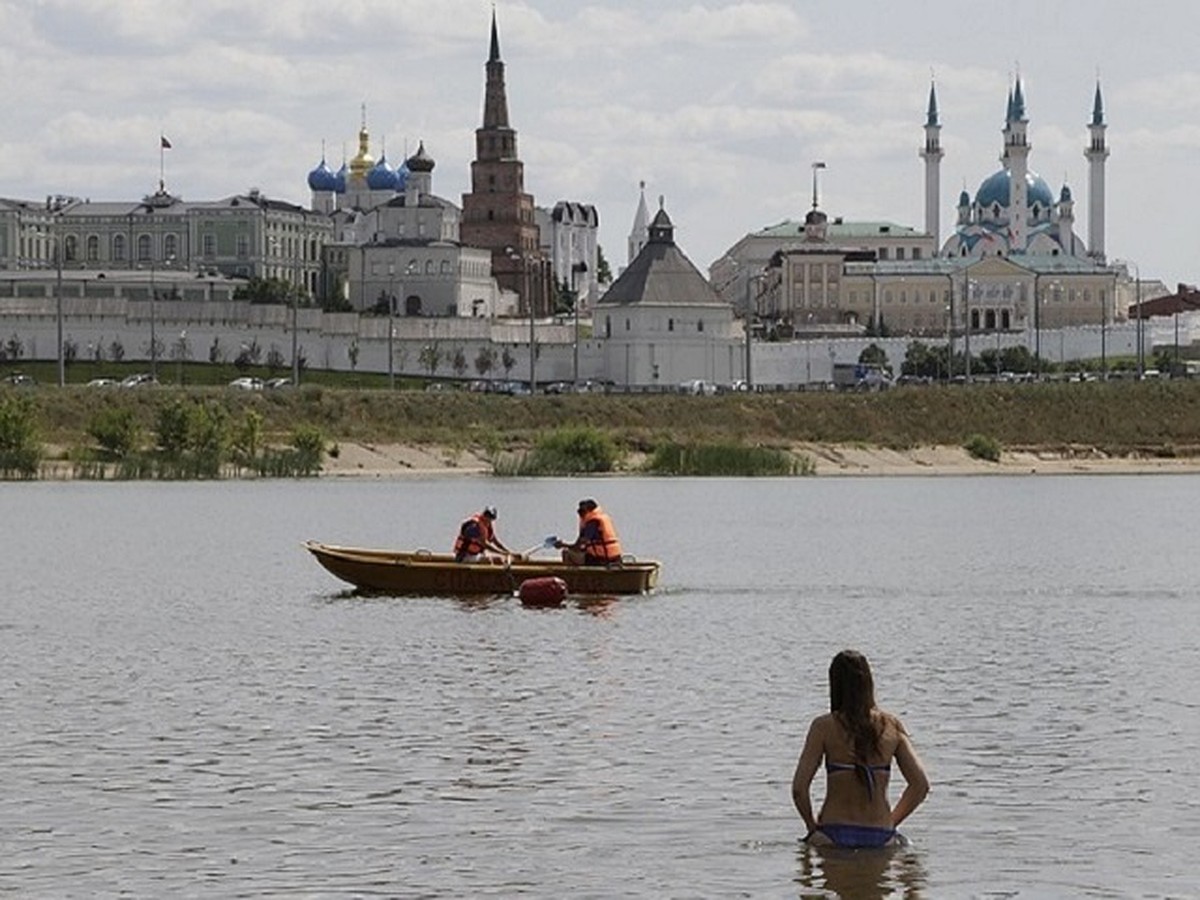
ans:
x=806 y=770
x=916 y=781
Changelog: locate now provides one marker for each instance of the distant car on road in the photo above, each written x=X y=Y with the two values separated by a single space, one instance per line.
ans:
x=103 y=382
x=141 y=379
x=246 y=383
x=19 y=379
x=274 y=384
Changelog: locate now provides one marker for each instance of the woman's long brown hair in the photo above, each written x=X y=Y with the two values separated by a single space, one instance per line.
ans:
x=852 y=699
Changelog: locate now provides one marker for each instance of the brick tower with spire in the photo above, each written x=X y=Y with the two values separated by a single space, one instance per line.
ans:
x=497 y=214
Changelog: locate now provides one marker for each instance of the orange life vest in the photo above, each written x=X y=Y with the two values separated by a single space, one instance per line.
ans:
x=470 y=545
x=605 y=545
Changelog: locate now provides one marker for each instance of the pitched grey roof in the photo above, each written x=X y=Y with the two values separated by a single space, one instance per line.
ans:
x=661 y=275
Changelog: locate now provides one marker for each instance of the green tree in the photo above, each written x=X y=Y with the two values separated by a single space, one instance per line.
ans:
x=116 y=431
x=603 y=271
x=430 y=358
x=458 y=361
x=485 y=360
x=874 y=355
x=20 y=451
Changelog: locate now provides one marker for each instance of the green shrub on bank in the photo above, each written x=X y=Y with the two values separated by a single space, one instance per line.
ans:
x=981 y=446
x=726 y=459
x=565 y=451
x=116 y=431
x=20 y=451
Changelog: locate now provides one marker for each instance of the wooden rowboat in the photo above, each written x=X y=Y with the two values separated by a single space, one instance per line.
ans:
x=426 y=574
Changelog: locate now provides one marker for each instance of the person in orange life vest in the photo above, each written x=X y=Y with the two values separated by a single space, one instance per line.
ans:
x=477 y=536
x=597 y=544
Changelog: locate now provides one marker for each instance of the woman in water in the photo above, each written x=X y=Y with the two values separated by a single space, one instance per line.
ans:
x=858 y=741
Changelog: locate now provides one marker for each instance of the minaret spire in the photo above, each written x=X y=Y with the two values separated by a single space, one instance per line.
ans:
x=1016 y=153
x=932 y=153
x=1096 y=154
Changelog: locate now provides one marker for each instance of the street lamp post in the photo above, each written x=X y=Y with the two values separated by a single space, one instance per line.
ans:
x=58 y=293
x=1104 y=333
x=577 y=269
x=153 y=333
x=1141 y=328
x=295 y=318
x=1037 y=327
x=391 y=335
x=967 y=325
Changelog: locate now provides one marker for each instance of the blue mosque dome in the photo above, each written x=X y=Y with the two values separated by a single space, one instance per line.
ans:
x=402 y=173
x=339 y=180
x=322 y=178
x=994 y=190
x=380 y=177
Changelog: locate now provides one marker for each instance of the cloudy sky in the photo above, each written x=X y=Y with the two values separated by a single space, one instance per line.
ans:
x=721 y=107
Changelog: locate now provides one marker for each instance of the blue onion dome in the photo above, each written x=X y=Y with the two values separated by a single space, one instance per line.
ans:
x=402 y=174
x=1065 y=195
x=339 y=180
x=994 y=190
x=380 y=177
x=322 y=178
x=420 y=161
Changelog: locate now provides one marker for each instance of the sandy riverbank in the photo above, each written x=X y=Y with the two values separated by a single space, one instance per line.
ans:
x=359 y=460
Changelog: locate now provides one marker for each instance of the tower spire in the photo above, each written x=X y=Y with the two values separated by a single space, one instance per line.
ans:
x=1096 y=154
x=932 y=153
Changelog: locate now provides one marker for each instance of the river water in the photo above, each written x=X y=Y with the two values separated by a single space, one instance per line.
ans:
x=190 y=706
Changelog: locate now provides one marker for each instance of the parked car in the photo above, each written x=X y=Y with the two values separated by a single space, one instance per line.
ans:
x=141 y=379
x=19 y=379
x=246 y=383
x=274 y=384
x=103 y=382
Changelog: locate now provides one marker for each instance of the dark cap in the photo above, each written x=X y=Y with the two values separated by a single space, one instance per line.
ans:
x=490 y=512
x=587 y=505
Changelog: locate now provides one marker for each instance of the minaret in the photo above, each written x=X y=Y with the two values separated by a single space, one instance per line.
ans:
x=932 y=154
x=1096 y=154
x=640 y=233
x=497 y=214
x=1016 y=151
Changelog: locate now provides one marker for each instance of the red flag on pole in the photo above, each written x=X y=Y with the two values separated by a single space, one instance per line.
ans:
x=166 y=145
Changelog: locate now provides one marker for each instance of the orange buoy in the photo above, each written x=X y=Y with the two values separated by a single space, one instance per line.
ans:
x=549 y=591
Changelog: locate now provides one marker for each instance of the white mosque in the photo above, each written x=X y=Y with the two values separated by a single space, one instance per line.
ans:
x=1014 y=212
x=1013 y=263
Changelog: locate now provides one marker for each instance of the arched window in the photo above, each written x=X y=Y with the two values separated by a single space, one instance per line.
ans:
x=171 y=245
x=143 y=248
x=670 y=324
x=70 y=248
x=700 y=325
x=445 y=267
x=118 y=248
x=608 y=326
x=93 y=248
x=429 y=267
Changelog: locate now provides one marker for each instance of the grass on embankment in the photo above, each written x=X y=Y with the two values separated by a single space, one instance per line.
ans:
x=1156 y=418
